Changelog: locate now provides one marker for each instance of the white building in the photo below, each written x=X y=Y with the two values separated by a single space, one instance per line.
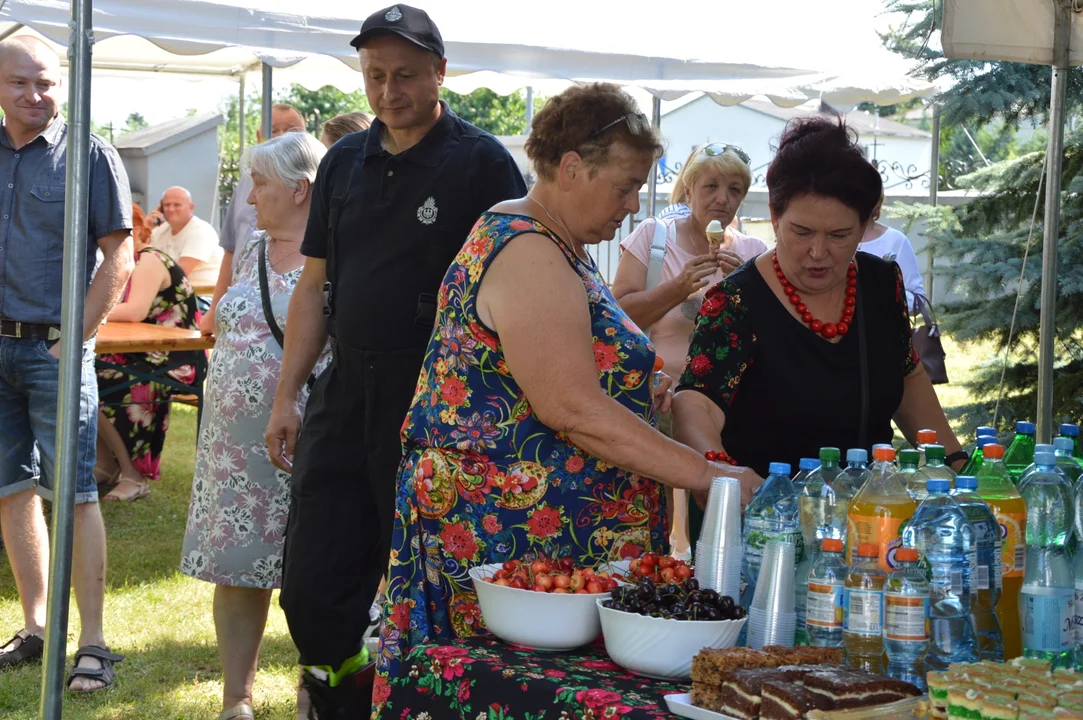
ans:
x=901 y=151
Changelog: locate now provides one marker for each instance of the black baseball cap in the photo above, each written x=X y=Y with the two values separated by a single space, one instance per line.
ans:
x=406 y=22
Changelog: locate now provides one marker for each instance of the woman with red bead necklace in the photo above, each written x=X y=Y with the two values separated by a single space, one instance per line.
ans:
x=809 y=344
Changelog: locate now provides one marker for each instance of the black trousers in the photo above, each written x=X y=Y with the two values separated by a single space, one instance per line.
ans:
x=342 y=499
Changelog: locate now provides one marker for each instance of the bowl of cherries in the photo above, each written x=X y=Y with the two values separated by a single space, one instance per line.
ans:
x=543 y=603
x=656 y=629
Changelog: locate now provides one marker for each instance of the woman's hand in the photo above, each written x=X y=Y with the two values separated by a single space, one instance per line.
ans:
x=728 y=260
x=697 y=273
x=663 y=394
x=750 y=483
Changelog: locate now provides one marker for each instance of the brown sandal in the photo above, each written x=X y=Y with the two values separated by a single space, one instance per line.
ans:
x=142 y=489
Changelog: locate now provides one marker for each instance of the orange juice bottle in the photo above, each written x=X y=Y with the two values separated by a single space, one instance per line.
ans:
x=997 y=489
x=879 y=510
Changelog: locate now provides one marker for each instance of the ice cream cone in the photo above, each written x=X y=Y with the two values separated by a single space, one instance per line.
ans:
x=715 y=234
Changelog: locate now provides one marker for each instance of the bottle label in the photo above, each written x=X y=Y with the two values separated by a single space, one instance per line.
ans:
x=864 y=611
x=1048 y=618
x=1077 y=619
x=884 y=532
x=987 y=539
x=1013 y=543
x=824 y=606
x=759 y=530
x=905 y=617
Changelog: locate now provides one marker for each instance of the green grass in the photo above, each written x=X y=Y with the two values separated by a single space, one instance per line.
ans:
x=161 y=620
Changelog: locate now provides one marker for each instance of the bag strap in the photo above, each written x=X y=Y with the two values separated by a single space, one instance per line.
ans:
x=265 y=298
x=925 y=307
x=340 y=184
x=658 y=255
x=863 y=355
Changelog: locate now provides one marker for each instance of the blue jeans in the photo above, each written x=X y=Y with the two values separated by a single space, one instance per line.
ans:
x=29 y=385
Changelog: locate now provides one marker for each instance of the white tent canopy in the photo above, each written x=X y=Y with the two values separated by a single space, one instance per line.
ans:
x=667 y=51
x=1011 y=30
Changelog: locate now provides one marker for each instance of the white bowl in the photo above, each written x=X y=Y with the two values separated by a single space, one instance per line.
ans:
x=536 y=620
x=660 y=648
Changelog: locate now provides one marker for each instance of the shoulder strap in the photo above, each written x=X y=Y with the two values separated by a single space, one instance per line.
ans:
x=265 y=298
x=658 y=255
x=863 y=354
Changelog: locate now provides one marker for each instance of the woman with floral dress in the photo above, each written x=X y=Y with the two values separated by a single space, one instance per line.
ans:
x=237 y=517
x=132 y=422
x=531 y=427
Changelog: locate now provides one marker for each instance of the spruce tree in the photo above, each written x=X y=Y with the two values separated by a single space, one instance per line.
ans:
x=980 y=246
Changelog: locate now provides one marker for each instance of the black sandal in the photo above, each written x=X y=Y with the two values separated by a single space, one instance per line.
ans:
x=30 y=648
x=106 y=673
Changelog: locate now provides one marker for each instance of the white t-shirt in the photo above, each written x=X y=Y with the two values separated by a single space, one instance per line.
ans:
x=893 y=245
x=198 y=240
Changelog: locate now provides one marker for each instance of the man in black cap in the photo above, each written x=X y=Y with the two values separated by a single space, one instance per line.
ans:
x=391 y=207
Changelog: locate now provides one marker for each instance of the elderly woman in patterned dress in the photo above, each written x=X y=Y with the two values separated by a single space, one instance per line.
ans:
x=237 y=518
x=531 y=428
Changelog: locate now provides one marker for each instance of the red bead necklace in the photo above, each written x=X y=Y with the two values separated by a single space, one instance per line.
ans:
x=828 y=330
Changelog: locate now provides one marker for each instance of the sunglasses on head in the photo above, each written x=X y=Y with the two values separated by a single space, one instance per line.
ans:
x=716 y=149
x=638 y=124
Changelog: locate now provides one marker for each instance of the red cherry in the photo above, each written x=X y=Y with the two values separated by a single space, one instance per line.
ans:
x=829 y=331
x=807 y=317
x=842 y=328
x=802 y=308
x=816 y=326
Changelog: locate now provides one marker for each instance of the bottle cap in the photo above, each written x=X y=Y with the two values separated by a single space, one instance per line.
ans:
x=966 y=482
x=779 y=468
x=857 y=455
x=829 y=454
x=1065 y=444
x=1045 y=458
x=906 y=555
x=659 y=363
x=1069 y=430
x=935 y=452
x=1043 y=448
x=926 y=436
x=1024 y=428
x=986 y=430
x=809 y=463
x=994 y=451
x=868 y=550
x=984 y=440
x=831 y=545
x=883 y=452
x=938 y=485
x=909 y=456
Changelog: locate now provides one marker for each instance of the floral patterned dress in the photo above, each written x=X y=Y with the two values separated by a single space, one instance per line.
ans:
x=142 y=417
x=240 y=501
x=483 y=480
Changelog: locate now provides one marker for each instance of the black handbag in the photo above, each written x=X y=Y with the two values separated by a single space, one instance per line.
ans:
x=265 y=298
x=927 y=342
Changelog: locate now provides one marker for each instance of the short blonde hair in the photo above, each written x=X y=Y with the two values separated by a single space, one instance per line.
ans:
x=728 y=163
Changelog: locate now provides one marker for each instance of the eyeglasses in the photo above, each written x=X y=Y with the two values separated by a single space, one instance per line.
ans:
x=638 y=124
x=716 y=149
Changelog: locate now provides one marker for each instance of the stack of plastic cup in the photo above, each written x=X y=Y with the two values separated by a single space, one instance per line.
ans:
x=718 y=551
x=772 y=619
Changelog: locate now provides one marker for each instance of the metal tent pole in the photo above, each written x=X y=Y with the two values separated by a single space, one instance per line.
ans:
x=1062 y=30
x=76 y=199
x=11 y=31
x=268 y=90
x=934 y=190
x=652 y=188
x=529 y=109
x=240 y=119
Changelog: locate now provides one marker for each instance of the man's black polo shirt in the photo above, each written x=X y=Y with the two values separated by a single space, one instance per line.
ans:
x=404 y=219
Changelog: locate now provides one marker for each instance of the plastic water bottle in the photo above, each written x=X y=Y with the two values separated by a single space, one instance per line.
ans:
x=1071 y=430
x=1078 y=607
x=800 y=600
x=863 y=610
x=824 y=609
x=824 y=500
x=1020 y=453
x=910 y=476
x=906 y=619
x=882 y=462
x=857 y=467
x=771 y=515
x=1063 y=447
x=990 y=581
x=973 y=465
x=942 y=534
x=1032 y=467
x=925 y=437
x=806 y=466
x=934 y=464
x=1047 y=601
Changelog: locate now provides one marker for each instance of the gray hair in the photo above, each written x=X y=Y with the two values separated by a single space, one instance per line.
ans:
x=290 y=158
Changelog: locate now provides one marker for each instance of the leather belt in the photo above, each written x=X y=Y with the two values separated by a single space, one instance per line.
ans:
x=28 y=331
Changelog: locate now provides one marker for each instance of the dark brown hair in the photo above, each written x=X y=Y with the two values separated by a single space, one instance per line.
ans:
x=342 y=125
x=568 y=120
x=819 y=155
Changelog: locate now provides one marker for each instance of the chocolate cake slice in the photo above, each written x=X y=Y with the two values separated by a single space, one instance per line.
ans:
x=844 y=689
x=787 y=701
x=741 y=691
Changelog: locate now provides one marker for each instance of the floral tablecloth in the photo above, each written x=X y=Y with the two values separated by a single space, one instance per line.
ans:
x=484 y=679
